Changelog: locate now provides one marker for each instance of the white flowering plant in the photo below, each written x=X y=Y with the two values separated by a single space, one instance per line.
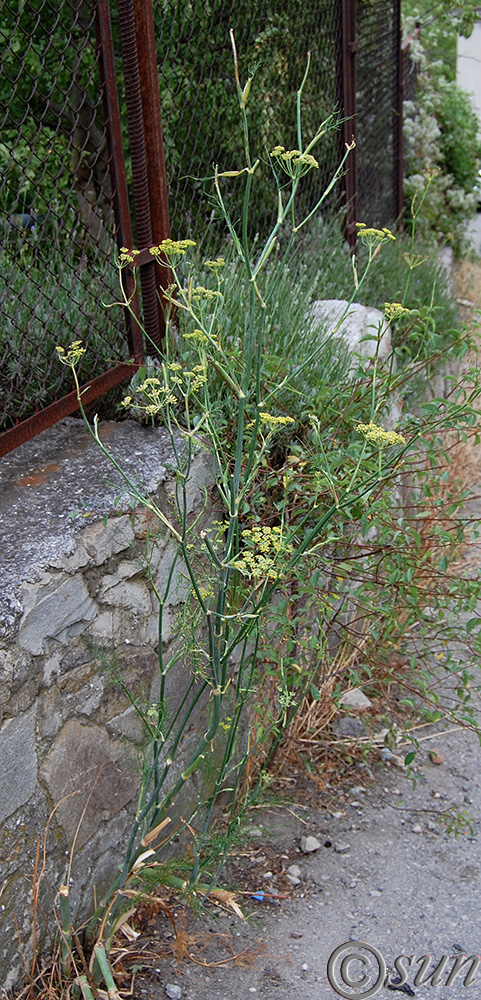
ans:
x=442 y=139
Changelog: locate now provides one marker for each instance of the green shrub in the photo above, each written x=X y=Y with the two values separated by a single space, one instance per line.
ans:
x=442 y=140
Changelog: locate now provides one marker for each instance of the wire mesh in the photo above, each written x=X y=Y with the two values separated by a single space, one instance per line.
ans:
x=56 y=222
x=57 y=228
x=200 y=110
x=378 y=108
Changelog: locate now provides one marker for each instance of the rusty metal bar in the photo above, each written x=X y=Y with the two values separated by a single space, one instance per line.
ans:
x=349 y=50
x=108 y=82
x=149 y=85
x=140 y=176
x=63 y=408
x=154 y=144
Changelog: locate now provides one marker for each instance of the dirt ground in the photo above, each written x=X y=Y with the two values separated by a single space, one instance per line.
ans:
x=385 y=870
x=385 y=873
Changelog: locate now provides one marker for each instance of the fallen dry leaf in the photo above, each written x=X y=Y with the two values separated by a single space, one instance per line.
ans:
x=227 y=899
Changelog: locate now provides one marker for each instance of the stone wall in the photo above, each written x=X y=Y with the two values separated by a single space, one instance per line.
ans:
x=72 y=576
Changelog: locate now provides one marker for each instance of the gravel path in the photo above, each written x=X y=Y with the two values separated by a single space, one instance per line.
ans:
x=391 y=877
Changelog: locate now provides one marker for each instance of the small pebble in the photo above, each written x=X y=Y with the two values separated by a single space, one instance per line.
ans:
x=374 y=892
x=342 y=848
x=352 y=885
x=294 y=870
x=305 y=967
x=338 y=815
x=309 y=844
x=417 y=828
x=268 y=875
x=296 y=935
x=293 y=879
x=173 y=992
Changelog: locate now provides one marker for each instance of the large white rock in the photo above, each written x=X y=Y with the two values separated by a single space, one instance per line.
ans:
x=359 y=328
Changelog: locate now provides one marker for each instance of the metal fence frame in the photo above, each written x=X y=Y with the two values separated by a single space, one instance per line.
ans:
x=149 y=183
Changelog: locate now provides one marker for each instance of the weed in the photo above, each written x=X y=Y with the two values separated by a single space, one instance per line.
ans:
x=319 y=566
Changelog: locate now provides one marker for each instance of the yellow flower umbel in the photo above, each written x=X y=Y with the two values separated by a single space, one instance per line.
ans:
x=394 y=310
x=171 y=248
x=178 y=383
x=381 y=439
x=377 y=235
x=215 y=265
x=205 y=293
x=127 y=256
x=293 y=162
x=275 y=422
x=197 y=335
x=264 y=547
x=71 y=357
x=378 y=436
x=373 y=239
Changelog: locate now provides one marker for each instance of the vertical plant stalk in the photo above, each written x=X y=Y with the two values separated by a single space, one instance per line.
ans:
x=226 y=615
x=66 y=931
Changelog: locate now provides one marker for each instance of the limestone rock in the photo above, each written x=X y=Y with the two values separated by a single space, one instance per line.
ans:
x=348 y=727
x=309 y=844
x=84 y=764
x=18 y=762
x=173 y=992
x=358 y=329
x=59 y=612
x=355 y=698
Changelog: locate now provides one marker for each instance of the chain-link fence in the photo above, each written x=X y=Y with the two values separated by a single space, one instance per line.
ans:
x=78 y=123
x=199 y=104
x=56 y=219
x=378 y=118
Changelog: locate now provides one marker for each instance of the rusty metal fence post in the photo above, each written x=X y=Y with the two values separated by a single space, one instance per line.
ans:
x=146 y=151
x=113 y=128
x=349 y=52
